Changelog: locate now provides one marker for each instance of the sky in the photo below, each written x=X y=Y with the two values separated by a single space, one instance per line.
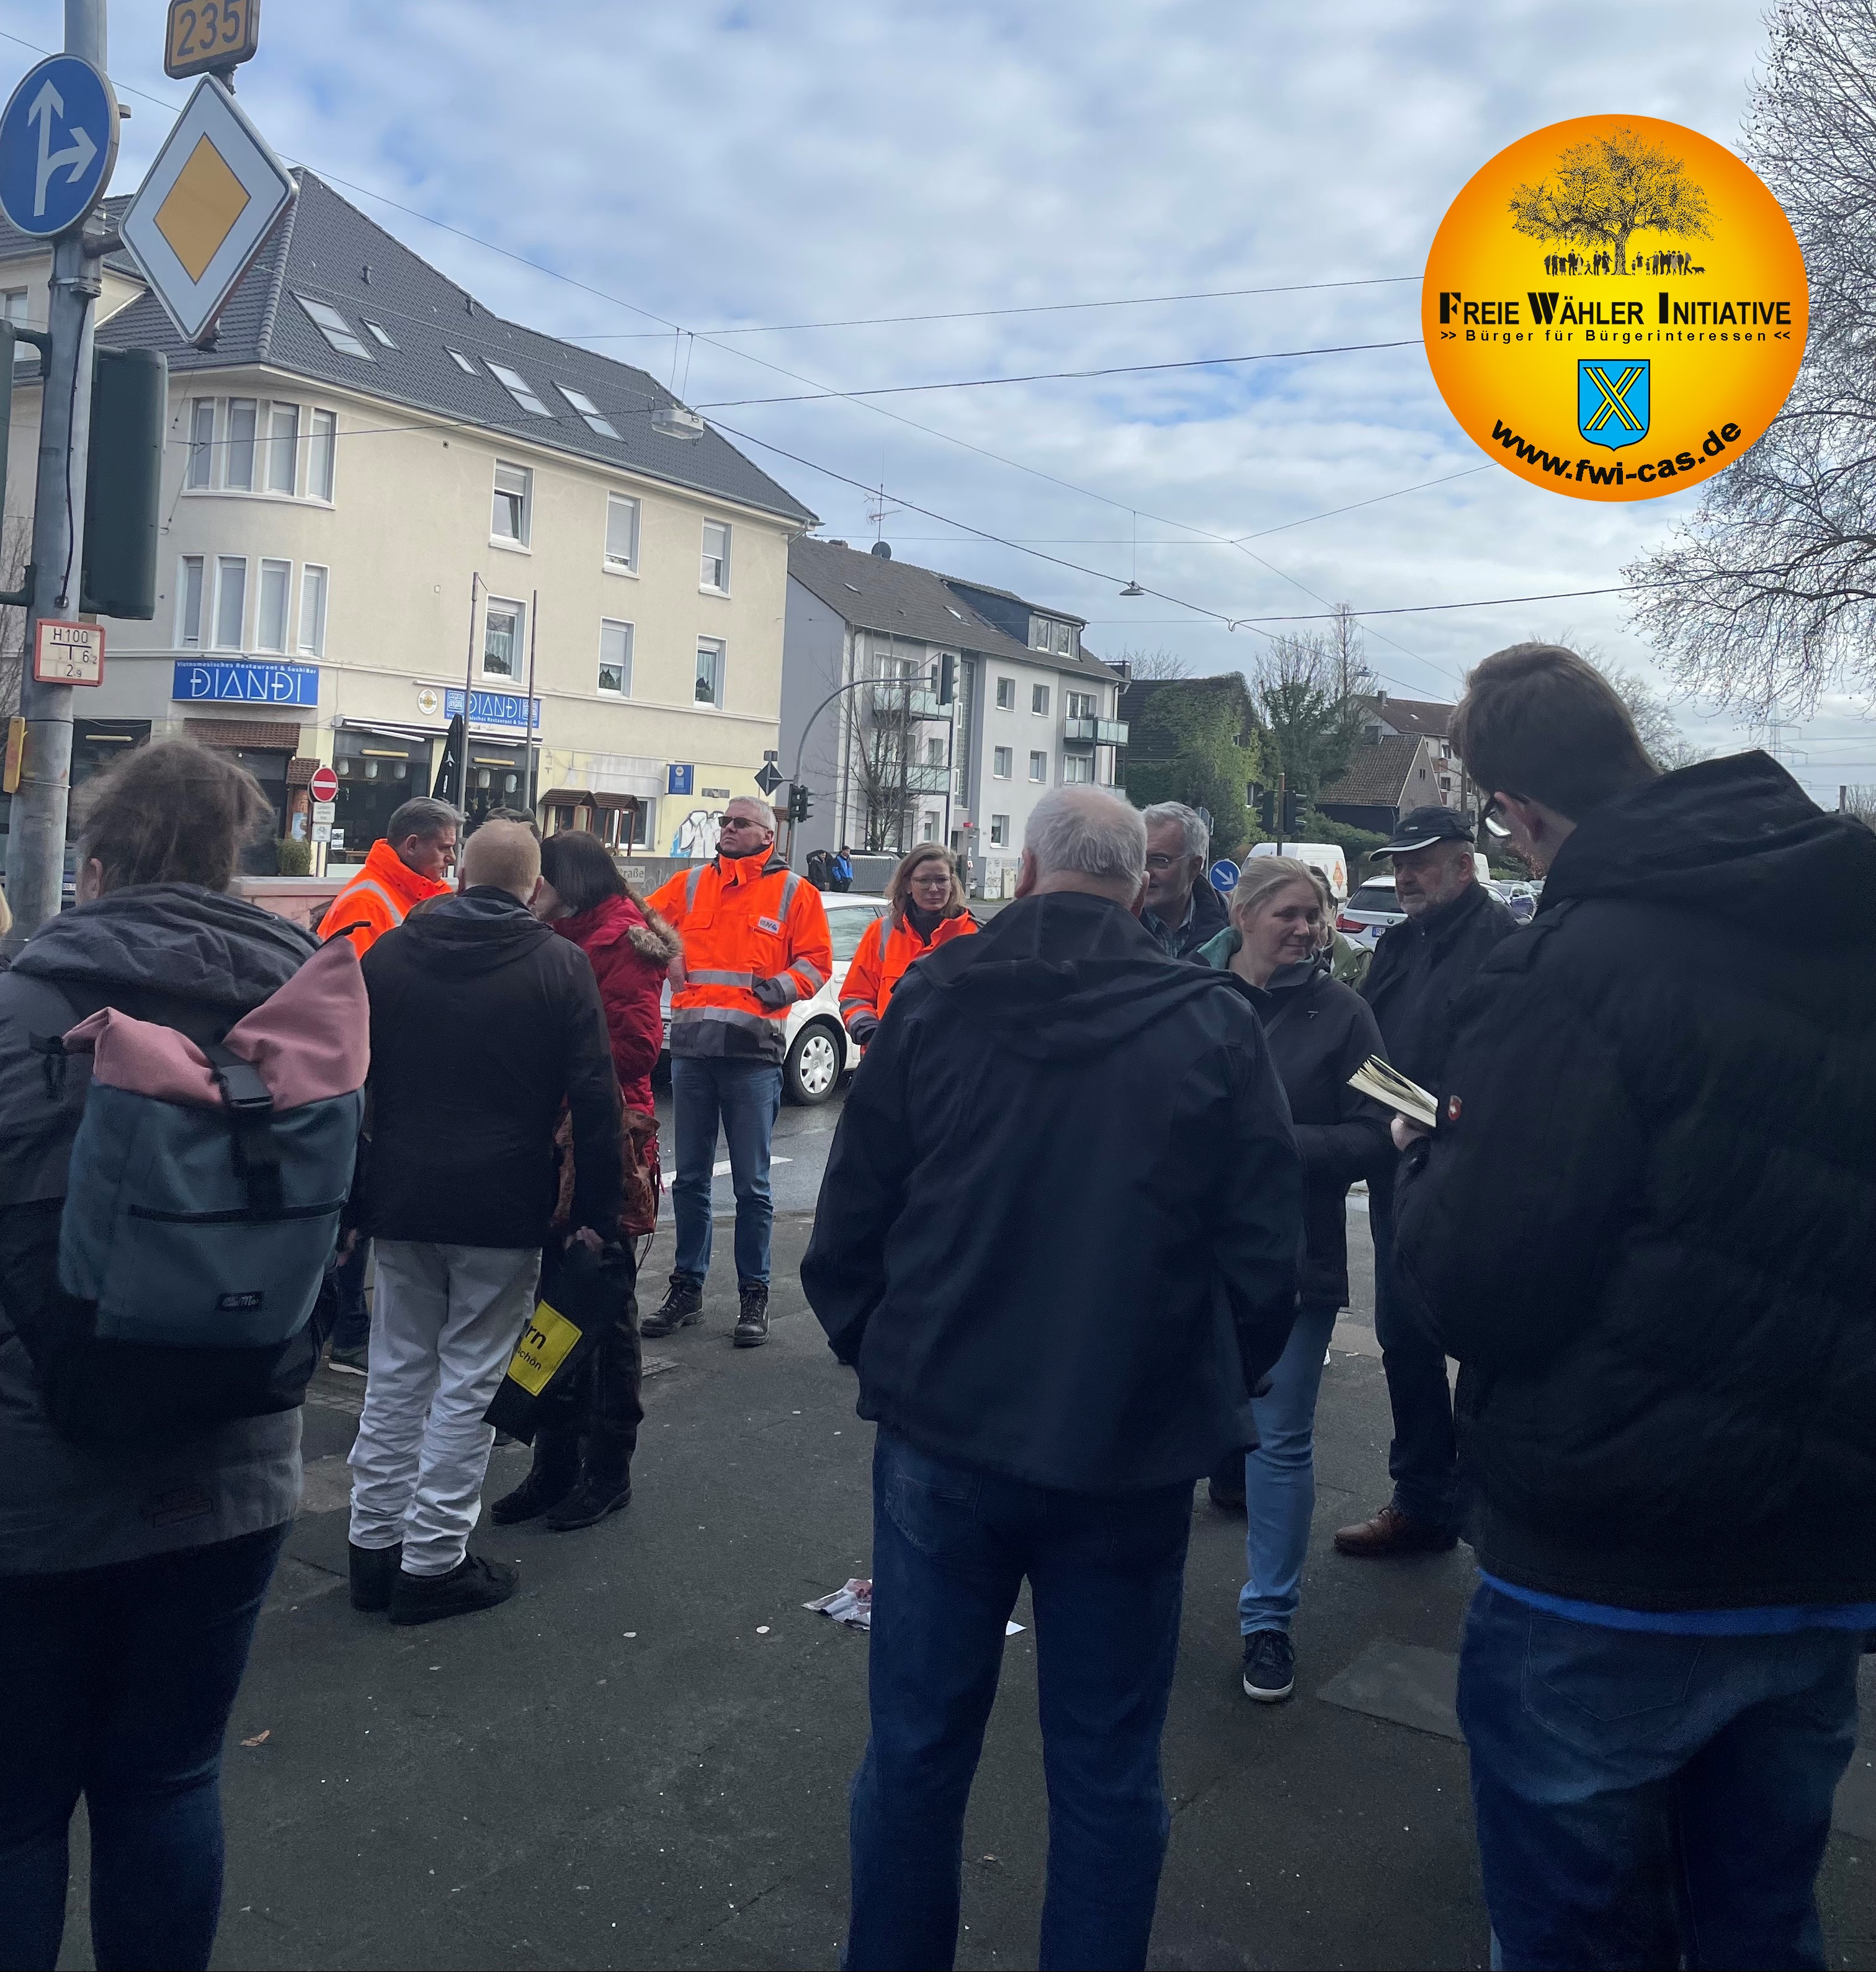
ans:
x=723 y=168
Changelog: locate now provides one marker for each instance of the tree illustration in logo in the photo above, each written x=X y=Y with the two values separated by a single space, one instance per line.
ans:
x=1602 y=191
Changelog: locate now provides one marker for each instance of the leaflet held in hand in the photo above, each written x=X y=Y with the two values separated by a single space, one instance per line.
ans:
x=1392 y=1089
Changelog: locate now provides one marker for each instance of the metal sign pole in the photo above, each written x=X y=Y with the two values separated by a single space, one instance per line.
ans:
x=36 y=861
x=527 y=757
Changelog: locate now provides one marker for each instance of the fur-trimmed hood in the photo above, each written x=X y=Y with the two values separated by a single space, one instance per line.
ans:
x=656 y=938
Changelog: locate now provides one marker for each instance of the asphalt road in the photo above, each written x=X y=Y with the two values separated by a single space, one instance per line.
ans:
x=803 y=1139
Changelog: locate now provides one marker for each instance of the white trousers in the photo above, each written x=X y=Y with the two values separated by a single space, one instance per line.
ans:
x=444 y=1321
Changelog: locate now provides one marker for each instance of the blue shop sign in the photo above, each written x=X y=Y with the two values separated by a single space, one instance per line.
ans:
x=492 y=708
x=235 y=681
x=680 y=780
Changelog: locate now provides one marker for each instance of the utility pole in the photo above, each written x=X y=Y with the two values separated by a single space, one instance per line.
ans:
x=36 y=864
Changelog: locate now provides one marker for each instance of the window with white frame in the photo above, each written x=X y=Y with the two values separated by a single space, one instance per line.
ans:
x=502 y=639
x=1079 y=704
x=1062 y=639
x=313 y=581
x=322 y=455
x=622 y=533
x=243 y=415
x=201 y=441
x=999 y=832
x=514 y=497
x=615 y=658
x=929 y=829
x=276 y=582
x=1076 y=768
x=709 y=669
x=518 y=387
x=231 y=601
x=461 y=361
x=189 y=604
x=1039 y=698
x=1000 y=757
x=591 y=416
x=282 y=448
x=334 y=327
x=1006 y=694
x=934 y=753
x=1038 y=633
x=715 y=575
x=1039 y=767
x=381 y=336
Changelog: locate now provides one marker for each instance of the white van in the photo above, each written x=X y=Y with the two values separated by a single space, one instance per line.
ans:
x=1323 y=855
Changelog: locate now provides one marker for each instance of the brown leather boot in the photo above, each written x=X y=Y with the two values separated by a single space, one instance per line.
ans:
x=1392 y=1531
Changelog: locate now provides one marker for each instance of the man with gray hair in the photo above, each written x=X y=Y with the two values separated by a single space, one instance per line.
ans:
x=1182 y=911
x=1058 y=1239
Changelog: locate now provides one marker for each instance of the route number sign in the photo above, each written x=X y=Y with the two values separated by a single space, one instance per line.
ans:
x=206 y=35
x=68 y=653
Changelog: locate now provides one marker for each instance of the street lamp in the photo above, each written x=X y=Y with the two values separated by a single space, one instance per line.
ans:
x=677 y=421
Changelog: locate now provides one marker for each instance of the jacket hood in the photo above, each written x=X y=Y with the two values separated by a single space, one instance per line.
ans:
x=171 y=938
x=605 y=923
x=475 y=931
x=1735 y=838
x=1063 y=976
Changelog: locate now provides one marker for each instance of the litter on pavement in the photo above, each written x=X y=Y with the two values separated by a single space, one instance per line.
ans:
x=851 y=1605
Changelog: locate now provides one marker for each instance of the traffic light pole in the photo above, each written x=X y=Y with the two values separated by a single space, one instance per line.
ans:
x=36 y=850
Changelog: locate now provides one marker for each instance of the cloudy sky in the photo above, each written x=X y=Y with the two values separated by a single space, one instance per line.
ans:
x=726 y=168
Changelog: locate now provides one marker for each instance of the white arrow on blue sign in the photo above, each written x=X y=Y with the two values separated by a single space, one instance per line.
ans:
x=58 y=146
x=1224 y=874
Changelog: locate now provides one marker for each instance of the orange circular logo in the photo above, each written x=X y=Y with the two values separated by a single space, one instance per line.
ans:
x=1615 y=308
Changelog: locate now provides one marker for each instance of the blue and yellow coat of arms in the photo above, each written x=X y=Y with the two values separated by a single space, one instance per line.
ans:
x=1612 y=400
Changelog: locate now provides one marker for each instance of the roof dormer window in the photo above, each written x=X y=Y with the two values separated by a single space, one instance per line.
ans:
x=335 y=328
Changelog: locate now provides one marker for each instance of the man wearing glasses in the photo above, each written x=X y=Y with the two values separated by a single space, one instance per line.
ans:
x=755 y=941
x=1182 y=910
x=1419 y=968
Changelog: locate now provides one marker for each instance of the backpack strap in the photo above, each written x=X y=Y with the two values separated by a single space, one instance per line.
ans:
x=50 y=1013
x=249 y=1104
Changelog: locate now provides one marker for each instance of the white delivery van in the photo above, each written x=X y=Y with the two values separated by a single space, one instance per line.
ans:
x=1323 y=855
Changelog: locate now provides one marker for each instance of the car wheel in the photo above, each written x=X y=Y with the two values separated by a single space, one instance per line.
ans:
x=811 y=1072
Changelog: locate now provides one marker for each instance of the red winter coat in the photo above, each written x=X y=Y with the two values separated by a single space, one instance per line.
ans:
x=629 y=950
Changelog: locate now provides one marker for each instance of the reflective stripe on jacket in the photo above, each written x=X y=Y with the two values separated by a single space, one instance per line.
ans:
x=887 y=947
x=378 y=899
x=743 y=921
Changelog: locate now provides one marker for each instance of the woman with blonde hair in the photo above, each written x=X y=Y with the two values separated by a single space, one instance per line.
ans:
x=1320 y=1032
x=926 y=895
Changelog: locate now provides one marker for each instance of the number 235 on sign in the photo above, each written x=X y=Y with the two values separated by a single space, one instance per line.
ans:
x=206 y=35
x=68 y=654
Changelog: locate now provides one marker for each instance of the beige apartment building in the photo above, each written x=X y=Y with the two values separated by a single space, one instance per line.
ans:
x=382 y=504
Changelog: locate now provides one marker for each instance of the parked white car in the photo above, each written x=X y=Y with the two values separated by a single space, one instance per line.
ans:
x=820 y=1050
x=1369 y=912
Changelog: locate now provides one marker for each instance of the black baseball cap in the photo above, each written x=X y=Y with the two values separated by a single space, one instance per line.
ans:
x=1424 y=827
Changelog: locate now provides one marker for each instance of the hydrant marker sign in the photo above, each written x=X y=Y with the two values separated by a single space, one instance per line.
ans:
x=1615 y=308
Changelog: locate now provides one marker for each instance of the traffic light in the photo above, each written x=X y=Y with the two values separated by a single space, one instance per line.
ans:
x=1293 y=816
x=800 y=801
x=124 y=483
x=1267 y=811
x=947 y=678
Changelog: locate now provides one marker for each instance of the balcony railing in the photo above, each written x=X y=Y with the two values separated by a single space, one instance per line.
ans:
x=888 y=696
x=1095 y=732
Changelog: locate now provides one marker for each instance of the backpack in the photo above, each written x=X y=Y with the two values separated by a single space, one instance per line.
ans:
x=201 y=1211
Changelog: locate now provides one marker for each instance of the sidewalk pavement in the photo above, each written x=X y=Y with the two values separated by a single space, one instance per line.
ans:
x=643 y=1759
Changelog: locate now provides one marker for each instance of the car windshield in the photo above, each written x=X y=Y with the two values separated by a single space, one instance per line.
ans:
x=1376 y=897
x=847 y=928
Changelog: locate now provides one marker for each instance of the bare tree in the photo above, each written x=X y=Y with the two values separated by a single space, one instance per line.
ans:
x=1860 y=801
x=1306 y=686
x=1766 y=597
x=1156 y=664
x=884 y=738
x=1602 y=191
x=16 y=536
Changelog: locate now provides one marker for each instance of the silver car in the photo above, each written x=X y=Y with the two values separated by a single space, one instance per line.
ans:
x=1369 y=912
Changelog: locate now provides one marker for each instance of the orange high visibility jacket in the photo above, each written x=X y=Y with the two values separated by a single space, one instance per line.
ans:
x=745 y=924
x=378 y=899
x=887 y=947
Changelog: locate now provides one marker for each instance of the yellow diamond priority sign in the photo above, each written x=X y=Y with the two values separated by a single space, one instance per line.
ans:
x=212 y=197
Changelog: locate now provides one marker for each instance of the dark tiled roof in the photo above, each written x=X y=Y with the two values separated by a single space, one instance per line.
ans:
x=902 y=599
x=1411 y=715
x=327 y=250
x=1010 y=596
x=1377 y=775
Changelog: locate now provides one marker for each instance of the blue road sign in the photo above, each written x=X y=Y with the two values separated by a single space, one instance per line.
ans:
x=58 y=143
x=1224 y=874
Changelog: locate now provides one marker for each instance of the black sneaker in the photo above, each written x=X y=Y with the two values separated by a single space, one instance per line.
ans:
x=374 y=1570
x=537 y=1494
x=591 y=1501
x=1269 y=1666
x=472 y=1584
x=683 y=1305
x=752 y=1317
x=353 y=1362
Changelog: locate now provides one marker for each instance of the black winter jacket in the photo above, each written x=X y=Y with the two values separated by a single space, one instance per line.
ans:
x=1059 y=1231
x=483 y=1023
x=1320 y=1032
x=1209 y=917
x=1649 y=1235
x=1421 y=965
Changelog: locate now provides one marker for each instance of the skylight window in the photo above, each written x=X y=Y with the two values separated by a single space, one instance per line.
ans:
x=596 y=419
x=518 y=387
x=335 y=328
x=462 y=362
x=379 y=335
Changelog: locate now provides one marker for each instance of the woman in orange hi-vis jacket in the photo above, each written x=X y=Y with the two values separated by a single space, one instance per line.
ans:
x=927 y=899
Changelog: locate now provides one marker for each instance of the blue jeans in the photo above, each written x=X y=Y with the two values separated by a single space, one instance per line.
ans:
x=118 y=1683
x=1423 y=1460
x=1647 y=1800
x=950 y=1549
x=745 y=1097
x=1279 y=1477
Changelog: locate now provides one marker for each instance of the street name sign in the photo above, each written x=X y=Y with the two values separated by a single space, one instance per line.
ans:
x=324 y=785
x=58 y=145
x=768 y=780
x=68 y=653
x=208 y=35
x=214 y=194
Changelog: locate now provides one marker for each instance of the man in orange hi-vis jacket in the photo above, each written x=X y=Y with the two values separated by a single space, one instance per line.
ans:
x=755 y=941
x=408 y=866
